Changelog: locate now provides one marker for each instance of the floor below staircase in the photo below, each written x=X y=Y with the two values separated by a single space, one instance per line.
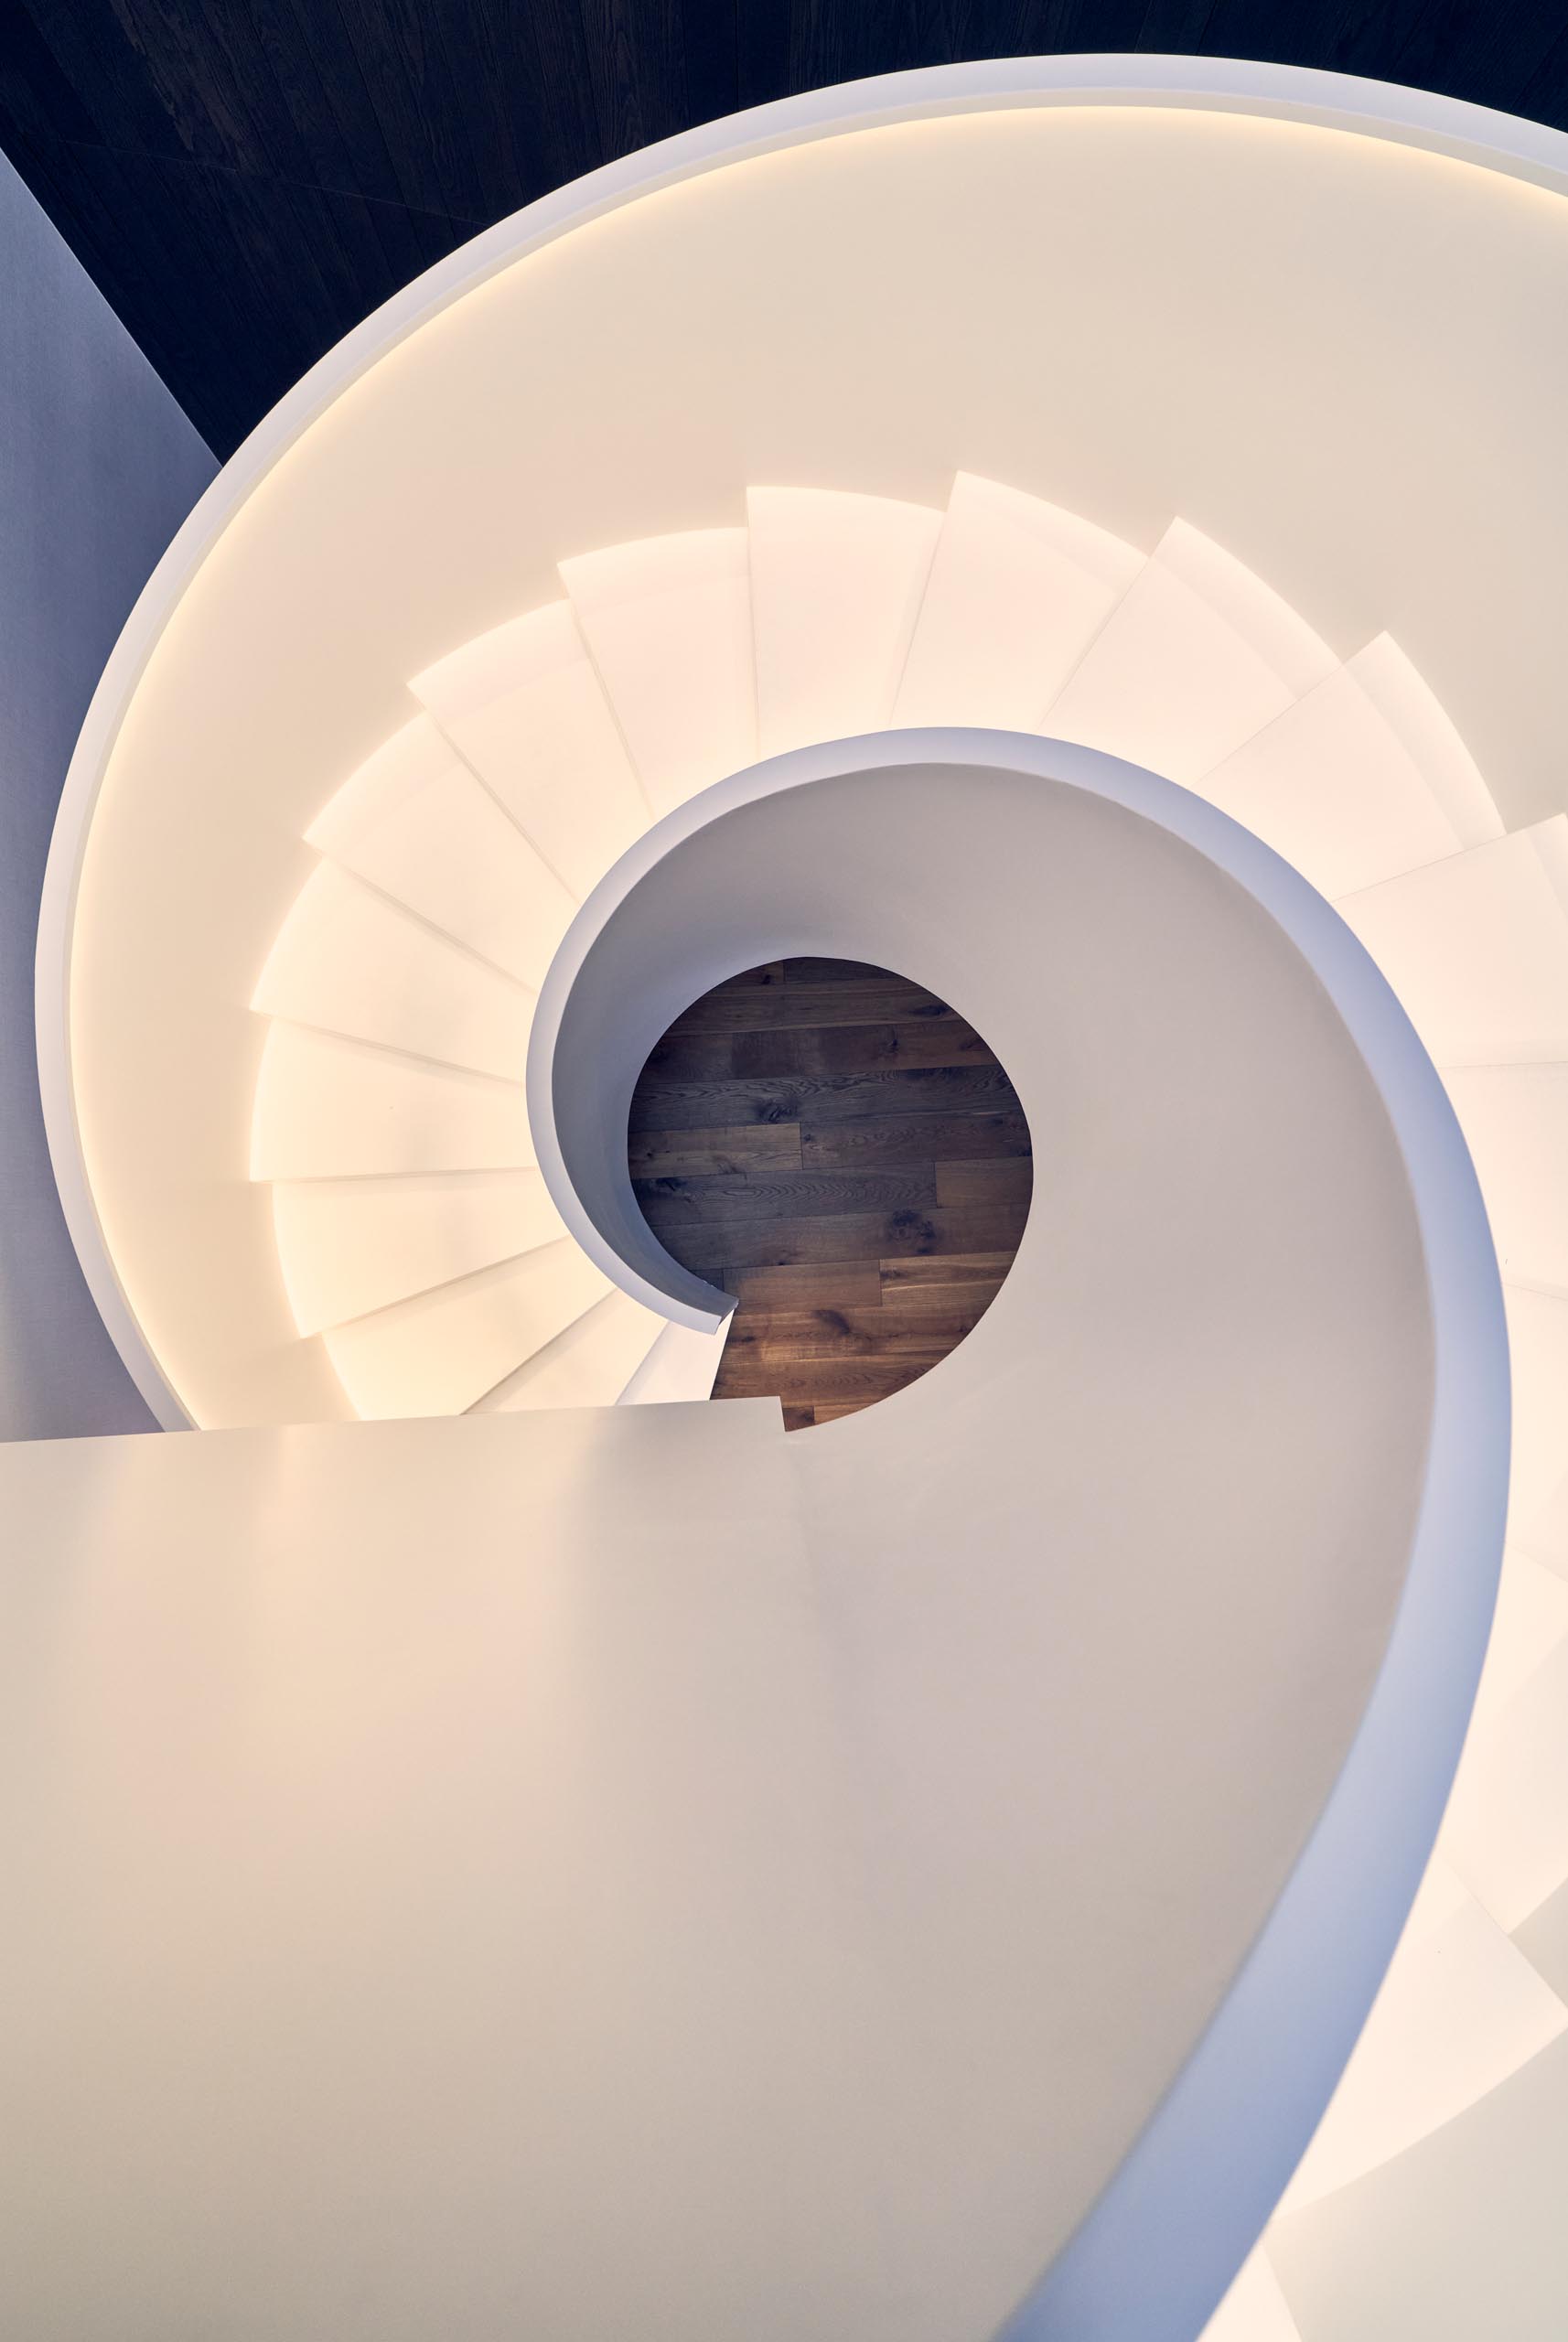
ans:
x=843 y=1152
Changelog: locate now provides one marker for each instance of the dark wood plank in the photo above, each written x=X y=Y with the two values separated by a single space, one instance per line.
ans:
x=872 y=1146
x=804 y=1381
x=928 y=1331
x=813 y=1283
x=1006 y=1179
x=873 y=1096
x=806 y=1194
x=848 y=1235
x=910 y=1284
x=724 y=1150
x=882 y=1000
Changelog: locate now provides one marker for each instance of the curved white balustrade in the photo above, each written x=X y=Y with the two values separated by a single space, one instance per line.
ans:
x=1034 y=922
x=1258 y=1216
x=392 y=916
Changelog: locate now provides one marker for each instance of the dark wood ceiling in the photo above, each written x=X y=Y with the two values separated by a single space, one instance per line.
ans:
x=246 y=180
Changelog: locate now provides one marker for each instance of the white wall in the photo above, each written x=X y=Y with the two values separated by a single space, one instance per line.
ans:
x=97 y=467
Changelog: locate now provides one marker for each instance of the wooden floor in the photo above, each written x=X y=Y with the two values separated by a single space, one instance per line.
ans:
x=839 y=1150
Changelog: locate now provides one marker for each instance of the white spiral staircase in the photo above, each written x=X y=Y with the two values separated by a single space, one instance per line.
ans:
x=414 y=1233
x=418 y=1239
x=422 y=1255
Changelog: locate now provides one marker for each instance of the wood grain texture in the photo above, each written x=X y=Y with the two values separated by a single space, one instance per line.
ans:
x=840 y=1151
x=245 y=183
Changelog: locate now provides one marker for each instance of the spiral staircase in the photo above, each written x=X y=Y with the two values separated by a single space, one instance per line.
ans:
x=406 y=979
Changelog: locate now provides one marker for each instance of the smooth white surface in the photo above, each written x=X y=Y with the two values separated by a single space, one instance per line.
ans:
x=1460 y=2009
x=1149 y=1201
x=1476 y=947
x=837 y=582
x=352 y=1245
x=346 y=960
x=444 y=848
x=527 y=710
x=588 y=1364
x=1342 y=791
x=1018 y=589
x=1197 y=656
x=1515 y=1119
x=1461 y=2237
x=1538 y=1346
x=465 y=1950
x=439 y=1352
x=332 y=1109
x=682 y=1364
x=668 y=624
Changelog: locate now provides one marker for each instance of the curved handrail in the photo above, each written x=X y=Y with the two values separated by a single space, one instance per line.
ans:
x=1156 y=2253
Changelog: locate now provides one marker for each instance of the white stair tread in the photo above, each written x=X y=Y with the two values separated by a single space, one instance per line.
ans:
x=1543 y=1939
x=1460 y=2009
x=588 y=1365
x=328 y=1109
x=1197 y=656
x=668 y=623
x=1538 y=1357
x=1255 y=2309
x=1543 y=1533
x=1342 y=791
x=418 y=824
x=398 y=769
x=1506 y=1832
x=348 y=1246
x=681 y=1365
x=1017 y=590
x=1459 y=2240
x=1530 y=1621
x=1476 y=947
x=1515 y=1119
x=1413 y=713
x=525 y=706
x=836 y=581
x=440 y=1352
x=346 y=960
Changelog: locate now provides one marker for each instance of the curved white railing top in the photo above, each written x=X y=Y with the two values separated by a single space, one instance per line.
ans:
x=992 y=885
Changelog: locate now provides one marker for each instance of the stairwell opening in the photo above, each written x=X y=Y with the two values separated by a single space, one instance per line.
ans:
x=836 y=1146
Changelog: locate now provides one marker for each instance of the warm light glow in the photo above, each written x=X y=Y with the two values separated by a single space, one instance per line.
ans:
x=1343 y=791
x=347 y=961
x=668 y=624
x=442 y=1351
x=1476 y=948
x=524 y=707
x=1018 y=589
x=348 y=1246
x=837 y=584
x=1198 y=656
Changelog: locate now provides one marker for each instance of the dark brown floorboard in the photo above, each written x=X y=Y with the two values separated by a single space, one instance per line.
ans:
x=834 y=1146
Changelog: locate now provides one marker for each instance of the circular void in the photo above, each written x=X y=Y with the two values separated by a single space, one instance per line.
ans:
x=835 y=1147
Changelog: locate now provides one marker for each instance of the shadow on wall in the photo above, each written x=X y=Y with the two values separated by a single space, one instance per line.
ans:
x=98 y=468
